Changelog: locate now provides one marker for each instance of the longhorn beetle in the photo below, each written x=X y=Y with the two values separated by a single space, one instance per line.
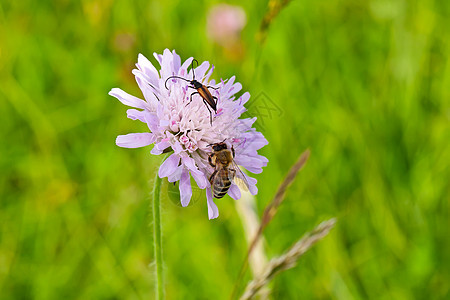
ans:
x=202 y=90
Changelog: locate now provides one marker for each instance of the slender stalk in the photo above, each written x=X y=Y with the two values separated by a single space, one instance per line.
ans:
x=269 y=212
x=157 y=238
x=288 y=260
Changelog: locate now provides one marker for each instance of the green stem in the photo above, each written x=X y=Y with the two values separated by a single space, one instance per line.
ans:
x=157 y=238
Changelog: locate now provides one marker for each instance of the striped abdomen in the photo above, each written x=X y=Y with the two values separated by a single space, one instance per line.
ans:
x=222 y=185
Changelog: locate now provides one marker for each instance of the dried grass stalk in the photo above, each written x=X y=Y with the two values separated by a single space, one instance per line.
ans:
x=273 y=9
x=246 y=208
x=269 y=213
x=288 y=259
x=272 y=207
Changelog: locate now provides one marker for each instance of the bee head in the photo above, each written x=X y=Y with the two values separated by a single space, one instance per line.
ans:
x=219 y=146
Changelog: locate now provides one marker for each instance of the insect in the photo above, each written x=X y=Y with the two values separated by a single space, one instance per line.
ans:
x=202 y=90
x=226 y=171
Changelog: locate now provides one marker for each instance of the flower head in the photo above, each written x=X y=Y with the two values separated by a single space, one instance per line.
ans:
x=177 y=124
x=225 y=23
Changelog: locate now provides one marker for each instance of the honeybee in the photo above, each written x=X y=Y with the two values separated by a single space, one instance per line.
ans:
x=226 y=171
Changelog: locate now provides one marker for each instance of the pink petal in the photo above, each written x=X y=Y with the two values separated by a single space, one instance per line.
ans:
x=234 y=192
x=176 y=61
x=128 y=99
x=186 y=64
x=244 y=98
x=209 y=74
x=148 y=69
x=167 y=64
x=160 y=147
x=158 y=57
x=189 y=163
x=199 y=178
x=135 y=114
x=213 y=211
x=251 y=184
x=175 y=176
x=135 y=140
x=252 y=164
x=152 y=121
x=147 y=90
x=177 y=147
x=185 y=188
x=200 y=70
x=169 y=166
x=235 y=88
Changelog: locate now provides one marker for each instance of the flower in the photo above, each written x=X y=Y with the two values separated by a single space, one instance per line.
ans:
x=184 y=127
x=225 y=23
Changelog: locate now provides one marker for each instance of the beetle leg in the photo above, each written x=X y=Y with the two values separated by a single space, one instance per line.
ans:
x=214 y=97
x=191 y=97
x=214 y=88
x=210 y=113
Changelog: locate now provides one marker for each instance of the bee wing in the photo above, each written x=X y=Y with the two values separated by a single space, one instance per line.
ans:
x=237 y=177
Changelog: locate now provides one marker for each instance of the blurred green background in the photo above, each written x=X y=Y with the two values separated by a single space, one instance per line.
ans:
x=364 y=84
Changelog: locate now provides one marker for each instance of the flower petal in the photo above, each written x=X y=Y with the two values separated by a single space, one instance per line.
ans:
x=252 y=164
x=251 y=184
x=147 y=89
x=185 y=188
x=235 y=88
x=177 y=148
x=234 y=192
x=244 y=98
x=152 y=121
x=213 y=211
x=128 y=99
x=148 y=69
x=200 y=70
x=175 y=176
x=176 y=61
x=185 y=66
x=199 y=176
x=169 y=166
x=167 y=68
x=135 y=114
x=135 y=140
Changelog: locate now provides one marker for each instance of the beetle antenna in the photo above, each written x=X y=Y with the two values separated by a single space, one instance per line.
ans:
x=192 y=67
x=174 y=76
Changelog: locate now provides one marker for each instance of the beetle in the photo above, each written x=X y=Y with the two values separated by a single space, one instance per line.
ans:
x=202 y=90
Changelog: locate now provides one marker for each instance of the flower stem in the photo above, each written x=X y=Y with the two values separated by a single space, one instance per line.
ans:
x=157 y=238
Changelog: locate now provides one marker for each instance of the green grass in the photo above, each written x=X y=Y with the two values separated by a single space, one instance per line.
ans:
x=364 y=85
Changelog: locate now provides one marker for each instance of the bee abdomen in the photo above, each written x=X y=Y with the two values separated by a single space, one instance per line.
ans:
x=220 y=191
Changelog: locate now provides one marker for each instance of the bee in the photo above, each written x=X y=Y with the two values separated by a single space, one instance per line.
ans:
x=226 y=171
x=203 y=90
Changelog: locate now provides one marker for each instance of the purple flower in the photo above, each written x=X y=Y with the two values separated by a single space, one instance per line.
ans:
x=174 y=125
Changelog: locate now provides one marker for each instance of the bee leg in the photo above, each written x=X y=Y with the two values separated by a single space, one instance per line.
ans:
x=232 y=151
x=191 y=98
x=210 y=162
x=212 y=176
